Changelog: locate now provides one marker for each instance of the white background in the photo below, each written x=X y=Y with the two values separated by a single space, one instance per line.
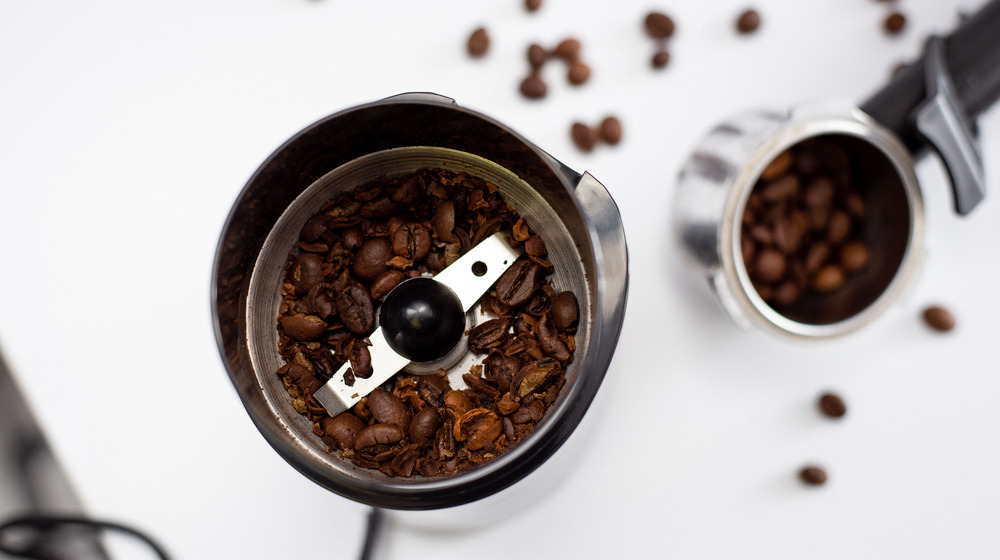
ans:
x=128 y=128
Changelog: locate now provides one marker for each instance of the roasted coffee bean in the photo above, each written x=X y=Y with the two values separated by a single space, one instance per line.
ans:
x=404 y=461
x=565 y=310
x=610 y=130
x=432 y=388
x=748 y=21
x=658 y=25
x=548 y=340
x=356 y=309
x=819 y=192
x=537 y=56
x=813 y=475
x=457 y=402
x=306 y=272
x=532 y=5
x=360 y=358
x=531 y=412
x=315 y=227
x=488 y=334
x=583 y=136
x=769 y=265
x=321 y=301
x=839 y=227
x=517 y=284
x=855 y=256
x=424 y=425
x=895 y=23
x=378 y=434
x=787 y=294
x=661 y=58
x=781 y=188
x=385 y=283
x=412 y=241
x=533 y=376
x=479 y=42
x=533 y=87
x=578 y=73
x=939 y=318
x=388 y=408
x=535 y=247
x=301 y=377
x=304 y=328
x=343 y=429
x=381 y=207
x=832 y=405
x=828 y=279
x=778 y=166
x=352 y=238
x=372 y=258
x=567 y=49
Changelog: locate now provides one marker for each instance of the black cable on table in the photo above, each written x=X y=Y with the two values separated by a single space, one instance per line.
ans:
x=43 y=527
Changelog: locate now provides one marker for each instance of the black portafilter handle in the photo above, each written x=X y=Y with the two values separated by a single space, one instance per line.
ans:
x=933 y=103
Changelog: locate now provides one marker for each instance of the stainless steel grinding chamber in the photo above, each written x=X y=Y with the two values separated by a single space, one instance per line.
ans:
x=573 y=213
x=932 y=103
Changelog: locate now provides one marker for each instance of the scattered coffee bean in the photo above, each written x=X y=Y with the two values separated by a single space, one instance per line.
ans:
x=610 y=130
x=813 y=475
x=356 y=249
x=532 y=5
x=660 y=59
x=895 y=23
x=939 y=318
x=479 y=42
x=567 y=49
x=832 y=405
x=584 y=136
x=748 y=21
x=533 y=87
x=578 y=73
x=659 y=25
x=536 y=56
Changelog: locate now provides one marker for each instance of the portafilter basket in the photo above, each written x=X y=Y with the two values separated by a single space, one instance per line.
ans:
x=932 y=103
x=573 y=213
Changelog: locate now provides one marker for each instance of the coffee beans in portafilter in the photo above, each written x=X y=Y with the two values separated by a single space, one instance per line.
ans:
x=608 y=131
x=357 y=248
x=801 y=224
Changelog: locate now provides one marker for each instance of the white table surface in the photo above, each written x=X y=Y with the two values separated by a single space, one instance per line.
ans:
x=128 y=128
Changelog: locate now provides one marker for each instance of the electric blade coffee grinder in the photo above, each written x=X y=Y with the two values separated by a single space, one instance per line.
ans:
x=423 y=323
x=809 y=223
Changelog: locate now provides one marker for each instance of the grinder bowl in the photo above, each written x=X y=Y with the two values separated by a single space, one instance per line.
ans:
x=386 y=139
x=715 y=185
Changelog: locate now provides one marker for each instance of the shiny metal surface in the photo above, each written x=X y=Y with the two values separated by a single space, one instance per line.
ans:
x=574 y=214
x=716 y=181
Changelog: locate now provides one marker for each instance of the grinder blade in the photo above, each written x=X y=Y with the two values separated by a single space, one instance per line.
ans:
x=469 y=277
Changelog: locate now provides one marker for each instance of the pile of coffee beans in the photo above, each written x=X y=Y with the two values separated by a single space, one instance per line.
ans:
x=801 y=224
x=568 y=50
x=660 y=27
x=352 y=253
x=609 y=131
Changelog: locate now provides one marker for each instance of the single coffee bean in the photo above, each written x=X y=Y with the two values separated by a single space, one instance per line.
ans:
x=303 y=328
x=356 y=309
x=939 y=318
x=518 y=283
x=388 y=409
x=610 y=130
x=661 y=58
x=360 y=358
x=533 y=87
x=488 y=334
x=778 y=166
x=378 y=434
x=386 y=282
x=839 y=227
x=536 y=56
x=813 y=475
x=787 y=294
x=748 y=21
x=578 y=73
x=531 y=412
x=343 y=429
x=411 y=241
x=307 y=272
x=895 y=23
x=828 y=279
x=819 y=192
x=567 y=49
x=548 y=340
x=565 y=310
x=769 y=266
x=477 y=428
x=479 y=42
x=583 y=136
x=372 y=258
x=352 y=238
x=832 y=405
x=781 y=188
x=658 y=25
x=854 y=256
x=424 y=425
x=532 y=5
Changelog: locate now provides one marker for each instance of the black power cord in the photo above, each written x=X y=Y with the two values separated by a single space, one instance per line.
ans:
x=376 y=520
x=33 y=536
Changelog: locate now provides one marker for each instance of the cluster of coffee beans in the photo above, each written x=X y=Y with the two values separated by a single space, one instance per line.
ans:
x=660 y=27
x=568 y=50
x=586 y=137
x=351 y=254
x=800 y=225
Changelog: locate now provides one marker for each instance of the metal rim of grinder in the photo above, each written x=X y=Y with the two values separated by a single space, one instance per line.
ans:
x=574 y=214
